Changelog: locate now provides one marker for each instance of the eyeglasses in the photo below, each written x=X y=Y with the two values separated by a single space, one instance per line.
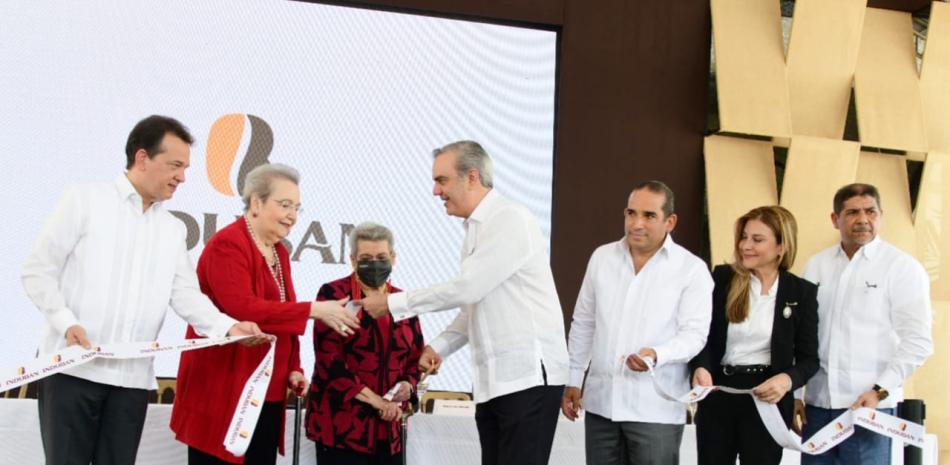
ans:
x=289 y=206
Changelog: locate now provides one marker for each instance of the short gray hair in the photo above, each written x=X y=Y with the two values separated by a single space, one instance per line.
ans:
x=471 y=156
x=369 y=231
x=260 y=180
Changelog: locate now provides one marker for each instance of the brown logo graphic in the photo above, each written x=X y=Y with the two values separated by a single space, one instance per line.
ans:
x=155 y=345
x=224 y=140
x=57 y=358
x=21 y=371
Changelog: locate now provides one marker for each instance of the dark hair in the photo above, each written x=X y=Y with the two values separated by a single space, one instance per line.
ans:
x=658 y=187
x=855 y=190
x=148 y=134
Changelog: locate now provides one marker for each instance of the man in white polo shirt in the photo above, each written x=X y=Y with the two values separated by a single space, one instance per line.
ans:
x=874 y=326
x=644 y=295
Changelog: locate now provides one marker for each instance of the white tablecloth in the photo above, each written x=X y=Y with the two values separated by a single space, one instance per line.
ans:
x=433 y=439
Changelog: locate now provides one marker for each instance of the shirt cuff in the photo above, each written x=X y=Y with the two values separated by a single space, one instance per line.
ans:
x=221 y=326
x=440 y=345
x=661 y=356
x=351 y=393
x=576 y=379
x=890 y=380
x=399 y=306
x=62 y=319
x=799 y=394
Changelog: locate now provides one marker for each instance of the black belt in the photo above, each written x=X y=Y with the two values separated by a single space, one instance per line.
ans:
x=730 y=370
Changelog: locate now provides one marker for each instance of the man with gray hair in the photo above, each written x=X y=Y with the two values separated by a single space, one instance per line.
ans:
x=510 y=312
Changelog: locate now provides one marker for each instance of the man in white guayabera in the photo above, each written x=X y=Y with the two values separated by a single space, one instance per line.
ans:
x=644 y=297
x=874 y=327
x=106 y=266
x=511 y=315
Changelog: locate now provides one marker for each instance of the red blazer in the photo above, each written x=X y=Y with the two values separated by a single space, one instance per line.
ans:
x=344 y=366
x=233 y=273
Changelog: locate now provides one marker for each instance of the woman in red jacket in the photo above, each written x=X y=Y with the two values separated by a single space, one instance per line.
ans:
x=245 y=270
x=347 y=414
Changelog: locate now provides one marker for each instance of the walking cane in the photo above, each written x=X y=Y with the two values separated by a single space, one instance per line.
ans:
x=404 y=426
x=298 y=402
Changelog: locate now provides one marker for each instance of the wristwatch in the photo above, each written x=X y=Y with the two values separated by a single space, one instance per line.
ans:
x=881 y=392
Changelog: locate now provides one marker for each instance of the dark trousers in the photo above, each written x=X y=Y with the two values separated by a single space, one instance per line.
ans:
x=331 y=456
x=518 y=428
x=728 y=425
x=609 y=442
x=84 y=422
x=263 y=447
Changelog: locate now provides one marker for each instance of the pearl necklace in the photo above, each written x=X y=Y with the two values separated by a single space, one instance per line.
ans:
x=275 y=270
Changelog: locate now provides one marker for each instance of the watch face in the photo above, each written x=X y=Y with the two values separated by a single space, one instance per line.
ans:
x=881 y=392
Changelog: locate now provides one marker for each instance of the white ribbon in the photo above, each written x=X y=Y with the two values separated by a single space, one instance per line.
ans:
x=244 y=420
x=828 y=437
x=245 y=416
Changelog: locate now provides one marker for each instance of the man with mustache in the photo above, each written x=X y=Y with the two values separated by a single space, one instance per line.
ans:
x=874 y=327
x=510 y=314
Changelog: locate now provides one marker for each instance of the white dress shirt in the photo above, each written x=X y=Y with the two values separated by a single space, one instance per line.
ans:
x=874 y=322
x=666 y=306
x=750 y=342
x=510 y=313
x=103 y=263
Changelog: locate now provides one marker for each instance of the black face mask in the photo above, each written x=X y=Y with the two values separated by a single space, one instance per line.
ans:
x=374 y=273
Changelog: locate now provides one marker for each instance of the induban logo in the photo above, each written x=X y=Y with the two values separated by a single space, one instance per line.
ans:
x=225 y=139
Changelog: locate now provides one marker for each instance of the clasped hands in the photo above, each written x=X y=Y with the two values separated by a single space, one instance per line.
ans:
x=771 y=390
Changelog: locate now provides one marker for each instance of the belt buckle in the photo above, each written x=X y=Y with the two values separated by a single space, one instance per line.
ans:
x=727 y=370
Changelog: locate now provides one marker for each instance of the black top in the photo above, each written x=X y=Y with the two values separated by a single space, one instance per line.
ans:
x=794 y=339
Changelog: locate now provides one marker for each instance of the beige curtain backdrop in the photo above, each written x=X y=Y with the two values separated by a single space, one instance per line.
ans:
x=837 y=47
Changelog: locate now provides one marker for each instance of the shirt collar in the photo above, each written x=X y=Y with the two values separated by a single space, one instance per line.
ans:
x=756 y=286
x=484 y=207
x=667 y=250
x=866 y=251
x=128 y=193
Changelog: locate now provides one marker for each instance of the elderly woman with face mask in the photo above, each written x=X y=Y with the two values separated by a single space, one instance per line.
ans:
x=245 y=270
x=347 y=414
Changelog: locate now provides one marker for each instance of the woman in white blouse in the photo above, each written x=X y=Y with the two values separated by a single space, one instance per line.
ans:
x=764 y=336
